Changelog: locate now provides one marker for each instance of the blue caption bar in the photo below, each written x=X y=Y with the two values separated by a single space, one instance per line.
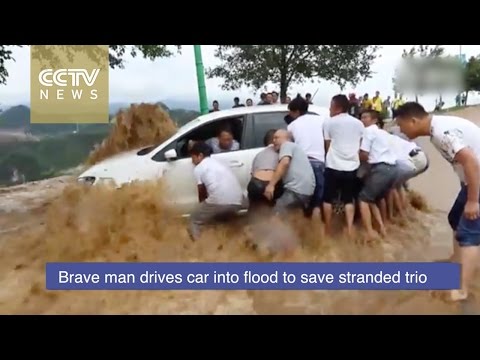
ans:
x=252 y=276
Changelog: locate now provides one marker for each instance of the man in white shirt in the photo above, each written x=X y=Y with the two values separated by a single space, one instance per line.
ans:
x=377 y=151
x=219 y=192
x=458 y=141
x=307 y=132
x=342 y=134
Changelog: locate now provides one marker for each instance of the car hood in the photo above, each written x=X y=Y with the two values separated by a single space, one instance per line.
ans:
x=118 y=166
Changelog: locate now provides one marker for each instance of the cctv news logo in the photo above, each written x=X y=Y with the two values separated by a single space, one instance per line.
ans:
x=79 y=81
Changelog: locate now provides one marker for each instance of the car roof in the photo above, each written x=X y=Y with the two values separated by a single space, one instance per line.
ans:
x=244 y=110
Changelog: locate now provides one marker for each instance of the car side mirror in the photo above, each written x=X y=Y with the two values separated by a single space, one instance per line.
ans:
x=171 y=155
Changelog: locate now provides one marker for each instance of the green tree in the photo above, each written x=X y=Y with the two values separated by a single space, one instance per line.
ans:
x=116 y=55
x=472 y=76
x=255 y=65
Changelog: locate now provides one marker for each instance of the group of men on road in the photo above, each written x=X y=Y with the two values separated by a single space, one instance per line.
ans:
x=266 y=98
x=385 y=107
x=317 y=161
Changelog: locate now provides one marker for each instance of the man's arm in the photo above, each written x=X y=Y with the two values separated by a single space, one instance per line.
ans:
x=365 y=147
x=202 y=190
x=280 y=170
x=202 y=193
x=452 y=143
x=285 y=156
x=471 y=168
x=326 y=135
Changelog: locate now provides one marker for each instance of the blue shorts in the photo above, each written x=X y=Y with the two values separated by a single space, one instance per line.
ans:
x=467 y=231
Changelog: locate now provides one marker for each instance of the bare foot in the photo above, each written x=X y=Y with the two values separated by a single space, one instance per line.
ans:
x=441 y=295
x=458 y=295
x=351 y=233
x=371 y=237
x=383 y=232
x=451 y=296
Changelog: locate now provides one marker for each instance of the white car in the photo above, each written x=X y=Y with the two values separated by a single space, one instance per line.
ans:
x=171 y=160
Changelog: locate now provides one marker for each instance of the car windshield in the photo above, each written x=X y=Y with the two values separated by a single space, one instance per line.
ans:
x=188 y=125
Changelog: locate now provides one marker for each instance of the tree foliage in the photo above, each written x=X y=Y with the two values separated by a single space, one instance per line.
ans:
x=472 y=74
x=255 y=65
x=116 y=55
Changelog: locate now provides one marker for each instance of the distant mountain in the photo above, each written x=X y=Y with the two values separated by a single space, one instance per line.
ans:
x=18 y=118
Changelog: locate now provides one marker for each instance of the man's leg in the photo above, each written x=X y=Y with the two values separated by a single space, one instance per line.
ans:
x=468 y=238
x=206 y=213
x=454 y=217
x=287 y=201
x=367 y=197
x=329 y=195
x=316 y=201
x=348 y=188
x=378 y=183
x=203 y=214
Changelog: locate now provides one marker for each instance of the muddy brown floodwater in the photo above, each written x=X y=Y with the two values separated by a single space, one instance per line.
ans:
x=57 y=220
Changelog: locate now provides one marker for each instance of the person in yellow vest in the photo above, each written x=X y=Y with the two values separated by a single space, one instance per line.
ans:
x=377 y=102
x=396 y=104
x=366 y=103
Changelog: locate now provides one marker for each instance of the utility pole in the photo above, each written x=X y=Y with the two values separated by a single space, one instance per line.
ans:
x=202 y=89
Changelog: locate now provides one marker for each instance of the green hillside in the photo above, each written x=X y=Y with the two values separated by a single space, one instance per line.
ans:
x=59 y=148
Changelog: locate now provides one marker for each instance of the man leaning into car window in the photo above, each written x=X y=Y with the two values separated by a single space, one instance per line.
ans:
x=224 y=142
x=295 y=171
x=219 y=192
x=263 y=168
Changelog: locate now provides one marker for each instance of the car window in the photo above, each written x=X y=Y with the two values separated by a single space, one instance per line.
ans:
x=263 y=122
x=203 y=133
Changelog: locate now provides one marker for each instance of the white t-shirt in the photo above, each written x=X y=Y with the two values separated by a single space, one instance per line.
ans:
x=222 y=186
x=402 y=147
x=307 y=131
x=450 y=134
x=377 y=143
x=344 y=132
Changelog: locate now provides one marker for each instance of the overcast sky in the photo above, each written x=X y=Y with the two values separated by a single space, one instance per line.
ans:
x=175 y=78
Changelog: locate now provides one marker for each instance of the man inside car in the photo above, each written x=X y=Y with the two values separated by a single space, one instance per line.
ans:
x=223 y=142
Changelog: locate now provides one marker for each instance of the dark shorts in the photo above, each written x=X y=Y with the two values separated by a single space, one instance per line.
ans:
x=291 y=200
x=358 y=187
x=256 y=190
x=378 y=182
x=317 y=197
x=405 y=171
x=467 y=231
x=340 y=182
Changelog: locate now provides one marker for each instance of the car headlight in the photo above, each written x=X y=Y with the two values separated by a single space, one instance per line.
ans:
x=87 y=180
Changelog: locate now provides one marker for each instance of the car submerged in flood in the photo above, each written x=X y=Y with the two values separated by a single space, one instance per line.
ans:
x=171 y=161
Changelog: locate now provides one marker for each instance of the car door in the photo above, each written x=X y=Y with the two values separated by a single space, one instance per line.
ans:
x=179 y=180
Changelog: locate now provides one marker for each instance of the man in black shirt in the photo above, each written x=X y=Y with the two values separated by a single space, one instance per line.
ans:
x=216 y=106
x=236 y=103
